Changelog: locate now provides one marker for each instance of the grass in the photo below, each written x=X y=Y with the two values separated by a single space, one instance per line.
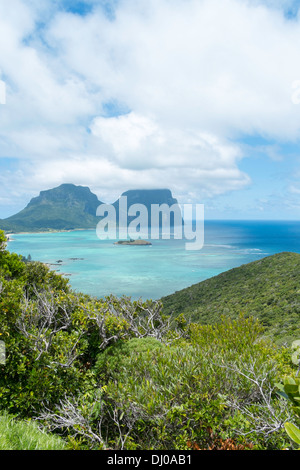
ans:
x=23 y=435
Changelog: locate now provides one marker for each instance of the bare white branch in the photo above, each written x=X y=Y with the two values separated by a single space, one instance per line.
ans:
x=141 y=320
x=42 y=319
x=69 y=416
x=259 y=407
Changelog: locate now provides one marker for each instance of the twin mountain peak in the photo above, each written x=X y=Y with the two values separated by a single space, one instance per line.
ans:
x=71 y=207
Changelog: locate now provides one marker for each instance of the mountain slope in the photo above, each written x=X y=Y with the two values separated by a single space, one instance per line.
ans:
x=268 y=289
x=70 y=207
x=63 y=208
x=147 y=197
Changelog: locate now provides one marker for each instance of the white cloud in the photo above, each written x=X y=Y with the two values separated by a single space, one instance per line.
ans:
x=126 y=133
x=227 y=64
x=193 y=76
x=136 y=142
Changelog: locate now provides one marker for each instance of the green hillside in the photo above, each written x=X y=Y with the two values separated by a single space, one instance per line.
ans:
x=66 y=207
x=70 y=207
x=268 y=289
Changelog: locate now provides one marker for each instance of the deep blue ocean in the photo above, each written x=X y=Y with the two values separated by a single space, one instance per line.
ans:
x=99 y=267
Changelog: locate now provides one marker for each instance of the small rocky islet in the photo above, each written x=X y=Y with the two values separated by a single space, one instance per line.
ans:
x=133 y=242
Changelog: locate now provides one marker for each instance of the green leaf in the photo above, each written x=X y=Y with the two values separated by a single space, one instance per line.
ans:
x=278 y=385
x=291 y=389
x=296 y=410
x=282 y=394
x=296 y=344
x=289 y=380
x=293 y=432
x=296 y=357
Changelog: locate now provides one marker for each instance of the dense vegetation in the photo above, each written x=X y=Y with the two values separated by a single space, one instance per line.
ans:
x=70 y=207
x=267 y=289
x=119 y=374
x=22 y=435
x=63 y=208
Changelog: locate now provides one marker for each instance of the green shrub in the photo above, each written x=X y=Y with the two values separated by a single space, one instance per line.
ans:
x=112 y=373
x=11 y=265
x=289 y=388
x=169 y=395
x=113 y=359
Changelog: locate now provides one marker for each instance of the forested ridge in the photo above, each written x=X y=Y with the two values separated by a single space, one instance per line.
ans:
x=267 y=289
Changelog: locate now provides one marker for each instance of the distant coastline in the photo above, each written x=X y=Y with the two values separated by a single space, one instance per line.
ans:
x=9 y=237
x=138 y=242
x=39 y=232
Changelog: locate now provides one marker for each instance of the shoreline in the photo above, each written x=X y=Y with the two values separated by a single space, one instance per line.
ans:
x=8 y=237
x=48 y=231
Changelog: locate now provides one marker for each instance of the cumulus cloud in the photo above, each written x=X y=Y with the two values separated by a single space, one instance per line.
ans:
x=157 y=95
x=127 y=135
x=227 y=64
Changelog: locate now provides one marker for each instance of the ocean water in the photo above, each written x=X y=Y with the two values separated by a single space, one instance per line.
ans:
x=99 y=268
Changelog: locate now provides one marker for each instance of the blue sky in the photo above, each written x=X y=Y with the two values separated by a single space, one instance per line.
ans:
x=200 y=96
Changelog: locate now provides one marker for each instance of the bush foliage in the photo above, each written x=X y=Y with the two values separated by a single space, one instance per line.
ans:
x=267 y=289
x=22 y=435
x=120 y=374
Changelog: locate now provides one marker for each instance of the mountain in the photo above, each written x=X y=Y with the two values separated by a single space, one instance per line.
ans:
x=149 y=197
x=70 y=207
x=267 y=289
x=66 y=207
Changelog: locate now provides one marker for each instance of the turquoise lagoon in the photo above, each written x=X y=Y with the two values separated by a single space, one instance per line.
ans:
x=99 y=267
